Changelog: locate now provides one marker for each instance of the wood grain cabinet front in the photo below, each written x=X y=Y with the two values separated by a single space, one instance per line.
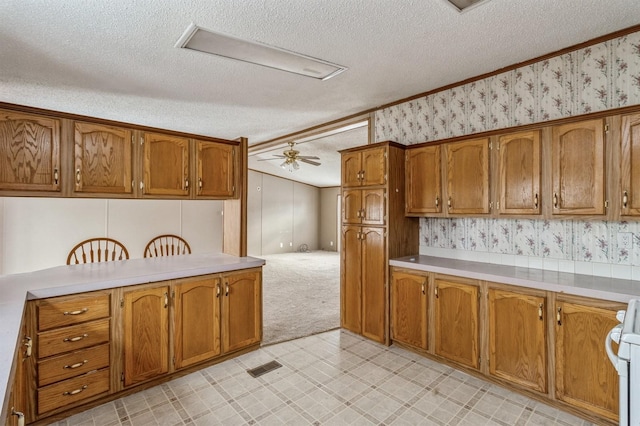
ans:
x=630 y=166
x=72 y=351
x=518 y=337
x=103 y=159
x=29 y=152
x=166 y=165
x=456 y=309
x=467 y=176
x=241 y=310
x=365 y=168
x=423 y=181
x=216 y=169
x=409 y=306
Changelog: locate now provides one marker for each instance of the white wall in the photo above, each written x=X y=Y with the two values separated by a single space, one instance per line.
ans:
x=38 y=233
x=329 y=218
x=281 y=215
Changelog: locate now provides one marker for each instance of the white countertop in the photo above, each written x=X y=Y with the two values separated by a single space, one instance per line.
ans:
x=612 y=289
x=16 y=289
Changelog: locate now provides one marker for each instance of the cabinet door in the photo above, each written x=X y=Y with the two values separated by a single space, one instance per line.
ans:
x=197 y=321
x=241 y=310
x=351 y=169
x=519 y=169
x=352 y=206
x=409 y=308
x=29 y=152
x=216 y=169
x=456 y=321
x=578 y=168
x=423 y=181
x=630 y=165
x=584 y=375
x=351 y=273
x=373 y=206
x=468 y=177
x=374 y=166
x=373 y=282
x=146 y=334
x=166 y=165
x=517 y=342
x=102 y=159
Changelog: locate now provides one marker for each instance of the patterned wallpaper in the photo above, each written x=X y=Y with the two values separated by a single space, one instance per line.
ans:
x=599 y=77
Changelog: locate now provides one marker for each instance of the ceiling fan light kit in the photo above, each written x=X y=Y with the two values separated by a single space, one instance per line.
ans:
x=291 y=158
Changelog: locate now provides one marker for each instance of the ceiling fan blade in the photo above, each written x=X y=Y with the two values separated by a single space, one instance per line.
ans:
x=308 y=157
x=304 y=160
x=277 y=157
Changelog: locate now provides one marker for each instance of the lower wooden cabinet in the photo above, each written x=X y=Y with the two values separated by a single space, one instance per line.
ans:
x=146 y=334
x=584 y=376
x=409 y=301
x=517 y=337
x=85 y=348
x=457 y=333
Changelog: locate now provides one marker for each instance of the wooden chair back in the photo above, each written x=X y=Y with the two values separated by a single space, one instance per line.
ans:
x=167 y=245
x=97 y=250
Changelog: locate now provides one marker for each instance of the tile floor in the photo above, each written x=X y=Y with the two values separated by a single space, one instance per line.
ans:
x=333 y=378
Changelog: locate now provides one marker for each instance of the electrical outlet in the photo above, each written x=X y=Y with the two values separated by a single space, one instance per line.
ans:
x=281 y=245
x=331 y=243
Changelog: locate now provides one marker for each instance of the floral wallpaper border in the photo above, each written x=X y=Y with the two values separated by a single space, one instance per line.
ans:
x=596 y=78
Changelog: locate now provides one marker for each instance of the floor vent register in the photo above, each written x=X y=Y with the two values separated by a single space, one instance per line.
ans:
x=264 y=368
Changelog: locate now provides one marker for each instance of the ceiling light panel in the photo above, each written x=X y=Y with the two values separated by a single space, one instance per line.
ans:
x=203 y=40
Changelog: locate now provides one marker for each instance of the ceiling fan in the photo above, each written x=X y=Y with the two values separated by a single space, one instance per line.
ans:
x=291 y=158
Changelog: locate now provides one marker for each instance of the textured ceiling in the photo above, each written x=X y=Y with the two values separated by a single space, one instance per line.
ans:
x=116 y=59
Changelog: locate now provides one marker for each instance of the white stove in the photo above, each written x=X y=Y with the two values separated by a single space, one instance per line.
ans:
x=627 y=362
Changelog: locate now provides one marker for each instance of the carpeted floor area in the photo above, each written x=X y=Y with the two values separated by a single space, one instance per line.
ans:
x=301 y=295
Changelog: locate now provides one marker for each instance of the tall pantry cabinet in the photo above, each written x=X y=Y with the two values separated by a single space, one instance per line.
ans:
x=374 y=229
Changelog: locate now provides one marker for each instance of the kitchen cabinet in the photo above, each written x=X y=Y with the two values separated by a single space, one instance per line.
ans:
x=241 y=310
x=578 y=168
x=29 y=152
x=145 y=333
x=18 y=408
x=364 y=300
x=630 y=166
x=518 y=164
x=456 y=309
x=365 y=168
x=374 y=229
x=103 y=159
x=423 y=181
x=363 y=206
x=517 y=337
x=467 y=176
x=166 y=165
x=71 y=350
x=409 y=306
x=584 y=376
x=197 y=320
x=216 y=169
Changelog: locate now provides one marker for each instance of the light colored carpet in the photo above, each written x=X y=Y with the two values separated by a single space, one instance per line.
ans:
x=301 y=295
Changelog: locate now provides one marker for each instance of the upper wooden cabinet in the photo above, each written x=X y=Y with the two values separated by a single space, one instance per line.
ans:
x=630 y=166
x=467 y=176
x=216 y=168
x=578 y=169
x=457 y=330
x=518 y=164
x=364 y=206
x=29 y=152
x=517 y=337
x=423 y=181
x=103 y=160
x=584 y=376
x=365 y=168
x=166 y=165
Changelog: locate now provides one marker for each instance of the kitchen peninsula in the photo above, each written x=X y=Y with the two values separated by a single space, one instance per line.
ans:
x=199 y=308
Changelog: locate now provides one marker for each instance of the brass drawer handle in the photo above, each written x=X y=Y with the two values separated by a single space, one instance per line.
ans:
x=77 y=176
x=218 y=290
x=449 y=202
x=75 y=339
x=81 y=311
x=76 y=391
x=540 y=311
x=55 y=175
x=535 y=201
x=423 y=289
x=625 y=199
x=559 y=316
x=226 y=289
x=437 y=202
x=555 y=200
x=76 y=365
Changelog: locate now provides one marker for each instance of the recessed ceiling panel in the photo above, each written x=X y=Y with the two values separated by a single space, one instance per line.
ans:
x=202 y=40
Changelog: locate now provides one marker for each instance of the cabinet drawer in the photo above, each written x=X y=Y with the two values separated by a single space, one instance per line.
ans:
x=63 y=311
x=72 y=338
x=73 y=364
x=70 y=391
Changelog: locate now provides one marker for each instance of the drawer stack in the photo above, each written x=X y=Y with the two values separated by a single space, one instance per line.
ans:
x=72 y=349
